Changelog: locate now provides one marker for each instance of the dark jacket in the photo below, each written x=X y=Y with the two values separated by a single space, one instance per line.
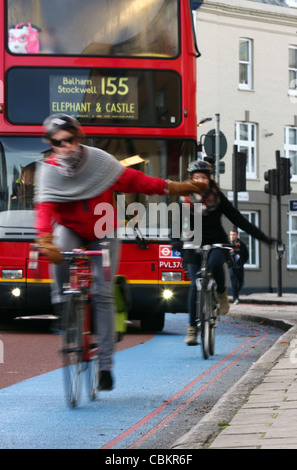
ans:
x=239 y=256
x=213 y=231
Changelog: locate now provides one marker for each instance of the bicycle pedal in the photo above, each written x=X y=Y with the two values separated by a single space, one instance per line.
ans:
x=214 y=322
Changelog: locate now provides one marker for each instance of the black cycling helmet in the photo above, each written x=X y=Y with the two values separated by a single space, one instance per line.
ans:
x=200 y=166
x=56 y=122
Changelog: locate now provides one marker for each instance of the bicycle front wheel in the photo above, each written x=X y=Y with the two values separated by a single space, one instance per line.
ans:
x=207 y=325
x=205 y=334
x=92 y=377
x=213 y=322
x=203 y=320
x=211 y=340
x=73 y=347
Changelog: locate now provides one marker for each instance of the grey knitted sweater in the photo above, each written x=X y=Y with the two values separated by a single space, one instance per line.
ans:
x=97 y=173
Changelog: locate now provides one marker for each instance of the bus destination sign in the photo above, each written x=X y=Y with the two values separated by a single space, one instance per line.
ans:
x=95 y=95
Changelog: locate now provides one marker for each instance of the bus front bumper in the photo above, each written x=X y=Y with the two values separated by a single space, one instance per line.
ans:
x=21 y=298
x=154 y=299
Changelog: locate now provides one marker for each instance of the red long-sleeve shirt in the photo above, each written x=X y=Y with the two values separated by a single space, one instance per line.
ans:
x=79 y=215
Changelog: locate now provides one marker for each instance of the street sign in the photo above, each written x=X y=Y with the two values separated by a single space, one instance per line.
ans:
x=210 y=146
x=293 y=205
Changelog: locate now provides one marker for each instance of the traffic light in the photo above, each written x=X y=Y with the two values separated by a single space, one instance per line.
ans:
x=271 y=186
x=222 y=167
x=285 y=176
x=241 y=171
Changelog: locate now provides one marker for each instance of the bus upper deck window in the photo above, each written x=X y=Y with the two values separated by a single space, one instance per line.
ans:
x=128 y=28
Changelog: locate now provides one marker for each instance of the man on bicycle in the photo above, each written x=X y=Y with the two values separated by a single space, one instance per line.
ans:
x=214 y=205
x=69 y=184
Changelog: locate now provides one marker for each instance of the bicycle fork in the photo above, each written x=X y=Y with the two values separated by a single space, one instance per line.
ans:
x=206 y=299
x=199 y=300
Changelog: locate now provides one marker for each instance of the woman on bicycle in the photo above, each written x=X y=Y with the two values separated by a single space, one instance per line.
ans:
x=69 y=185
x=214 y=205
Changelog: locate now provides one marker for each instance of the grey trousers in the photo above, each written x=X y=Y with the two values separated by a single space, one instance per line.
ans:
x=103 y=291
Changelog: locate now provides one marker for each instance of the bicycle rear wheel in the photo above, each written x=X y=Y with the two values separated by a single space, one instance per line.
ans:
x=73 y=347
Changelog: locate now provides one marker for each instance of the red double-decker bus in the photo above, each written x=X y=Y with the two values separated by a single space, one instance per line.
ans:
x=126 y=69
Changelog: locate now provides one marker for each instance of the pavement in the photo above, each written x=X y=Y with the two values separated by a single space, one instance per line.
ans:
x=260 y=410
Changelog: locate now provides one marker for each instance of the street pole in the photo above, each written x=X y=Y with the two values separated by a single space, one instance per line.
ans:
x=217 y=148
x=234 y=176
x=279 y=223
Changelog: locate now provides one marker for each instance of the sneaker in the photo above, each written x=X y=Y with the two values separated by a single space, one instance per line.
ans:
x=236 y=302
x=105 y=380
x=224 y=302
x=191 y=338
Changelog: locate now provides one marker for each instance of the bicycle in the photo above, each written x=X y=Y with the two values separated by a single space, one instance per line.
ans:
x=207 y=303
x=80 y=353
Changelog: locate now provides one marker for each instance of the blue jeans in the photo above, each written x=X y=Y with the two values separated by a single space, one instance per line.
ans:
x=216 y=260
x=237 y=279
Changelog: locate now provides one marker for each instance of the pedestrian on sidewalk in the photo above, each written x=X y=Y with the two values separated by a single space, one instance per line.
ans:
x=237 y=259
x=214 y=205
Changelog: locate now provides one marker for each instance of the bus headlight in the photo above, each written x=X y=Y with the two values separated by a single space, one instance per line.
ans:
x=12 y=273
x=16 y=292
x=171 y=276
x=167 y=294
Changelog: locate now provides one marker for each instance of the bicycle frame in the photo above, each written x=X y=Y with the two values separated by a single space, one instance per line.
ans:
x=204 y=280
x=80 y=280
x=80 y=354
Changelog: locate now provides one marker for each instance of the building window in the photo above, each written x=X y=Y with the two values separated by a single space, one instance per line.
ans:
x=246 y=141
x=245 y=64
x=290 y=149
x=292 y=242
x=292 y=70
x=251 y=243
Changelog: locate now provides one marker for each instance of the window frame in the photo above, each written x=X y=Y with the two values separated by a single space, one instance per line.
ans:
x=249 y=146
x=292 y=91
x=290 y=148
x=248 y=64
x=253 y=243
x=290 y=233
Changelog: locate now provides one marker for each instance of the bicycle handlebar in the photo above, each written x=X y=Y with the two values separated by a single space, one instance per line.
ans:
x=224 y=246
x=75 y=253
x=80 y=252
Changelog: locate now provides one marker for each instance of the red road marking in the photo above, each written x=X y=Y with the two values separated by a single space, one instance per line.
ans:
x=146 y=419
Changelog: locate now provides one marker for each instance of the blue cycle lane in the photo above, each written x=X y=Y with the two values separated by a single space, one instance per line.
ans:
x=155 y=381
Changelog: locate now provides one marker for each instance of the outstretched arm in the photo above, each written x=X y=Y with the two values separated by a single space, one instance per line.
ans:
x=240 y=221
x=134 y=181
